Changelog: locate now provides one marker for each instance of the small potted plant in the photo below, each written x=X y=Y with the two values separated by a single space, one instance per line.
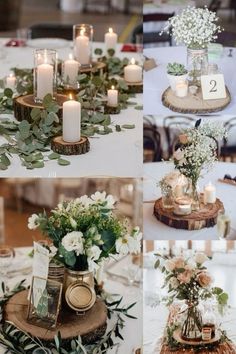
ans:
x=176 y=72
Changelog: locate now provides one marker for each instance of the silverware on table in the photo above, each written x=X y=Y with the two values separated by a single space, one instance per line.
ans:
x=230 y=53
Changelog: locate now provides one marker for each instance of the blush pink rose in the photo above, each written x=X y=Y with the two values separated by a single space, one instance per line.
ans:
x=185 y=277
x=204 y=279
x=179 y=262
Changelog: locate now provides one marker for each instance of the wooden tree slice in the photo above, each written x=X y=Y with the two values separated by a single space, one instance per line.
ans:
x=193 y=103
x=23 y=106
x=90 y=326
x=135 y=87
x=63 y=148
x=96 y=66
x=221 y=348
x=206 y=216
x=111 y=109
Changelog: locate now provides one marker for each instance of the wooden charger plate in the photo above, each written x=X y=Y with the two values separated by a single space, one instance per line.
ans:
x=194 y=103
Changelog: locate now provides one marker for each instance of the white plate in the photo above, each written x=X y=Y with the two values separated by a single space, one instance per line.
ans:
x=48 y=43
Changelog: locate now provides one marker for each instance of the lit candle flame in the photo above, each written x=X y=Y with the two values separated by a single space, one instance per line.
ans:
x=110 y=30
x=113 y=87
x=11 y=75
x=82 y=32
x=70 y=56
x=70 y=96
x=132 y=61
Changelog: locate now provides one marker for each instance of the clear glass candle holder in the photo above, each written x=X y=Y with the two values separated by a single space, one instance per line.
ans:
x=45 y=73
x=82 y=41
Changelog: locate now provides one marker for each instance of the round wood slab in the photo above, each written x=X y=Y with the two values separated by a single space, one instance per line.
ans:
x=23 y=106
x=62 y=147
x=221 y=348
x=205 y=217
x=193 y=103
x=179 y=339
x=96 y=66
x=89 y=326
x=135 y=87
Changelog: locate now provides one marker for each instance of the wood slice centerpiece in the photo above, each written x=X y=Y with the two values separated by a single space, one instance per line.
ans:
x=194 y=103
x=97 y=66
x=206 y=216
x=135 y=87
x=23 y=106
x=62 y=147
x=90 y=326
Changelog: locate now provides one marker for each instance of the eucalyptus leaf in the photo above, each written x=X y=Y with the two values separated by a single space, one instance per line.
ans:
x=128 y=126
x=63 y=162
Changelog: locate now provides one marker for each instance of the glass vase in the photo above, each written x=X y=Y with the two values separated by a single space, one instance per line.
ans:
x=192 y=326
x=197 y=62
x=167 y=198
x=45 y=73
x=82 y=42
x=194 y=195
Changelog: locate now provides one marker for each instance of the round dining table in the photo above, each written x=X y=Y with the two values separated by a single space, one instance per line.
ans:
x=156 y=230
x=156 y=81
x=117 y=154
x=115 y=282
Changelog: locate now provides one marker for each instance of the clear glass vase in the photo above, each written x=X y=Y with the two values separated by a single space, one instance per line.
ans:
x=83 y=40
x=194 y=195
x=167 y=198
x=192 y=326
x=197 y=63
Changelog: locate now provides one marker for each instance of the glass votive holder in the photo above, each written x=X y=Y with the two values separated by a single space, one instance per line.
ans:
x=182 y=206
x=45 y=73
x=223 y=224
x=82 y=42
x=70 y=72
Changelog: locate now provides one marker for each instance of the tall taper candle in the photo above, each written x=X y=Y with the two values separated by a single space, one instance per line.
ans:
x=110 y=39
x=44 y=80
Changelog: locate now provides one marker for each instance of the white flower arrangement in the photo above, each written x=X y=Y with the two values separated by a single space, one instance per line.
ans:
x=194 y=27
x=171 y=180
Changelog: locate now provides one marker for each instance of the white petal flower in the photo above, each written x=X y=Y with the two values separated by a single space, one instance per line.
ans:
x=93 y=253
x=200 y=257
x=127 y=244
x=33 y=222
x=99 y=197
x=84 y=200
x=169 y=265
x=174 y=283
x=74 y=241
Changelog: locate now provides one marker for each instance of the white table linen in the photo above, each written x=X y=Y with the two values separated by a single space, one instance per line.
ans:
x=117 y=154
x=156 y=82
x=155 y=230
x=130 y=295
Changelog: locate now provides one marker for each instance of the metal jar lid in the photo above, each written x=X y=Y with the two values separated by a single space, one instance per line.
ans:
x=80 y=296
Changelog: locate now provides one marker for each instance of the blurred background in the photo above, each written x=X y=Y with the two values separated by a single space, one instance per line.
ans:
x=20 y=198
x=122 y=15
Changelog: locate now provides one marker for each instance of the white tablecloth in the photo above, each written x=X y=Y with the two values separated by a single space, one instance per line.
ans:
x=155 y=316
x=155 y=230
x=130 y=295
x=117 y=154
x=156 y=82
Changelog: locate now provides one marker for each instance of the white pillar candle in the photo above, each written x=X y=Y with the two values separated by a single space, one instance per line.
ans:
x=11 y=81
x=70 y=72
x=44 y=80
x=209 y=194
x=112 y=97
x=133 y=72
x=181 y=89
x=82 y=48
x=110 y=39
x=71 y=121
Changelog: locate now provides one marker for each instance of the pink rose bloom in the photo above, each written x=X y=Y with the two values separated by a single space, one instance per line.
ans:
x=179 y=262
x=204 y=279
x=178 y=155
x=185 y=277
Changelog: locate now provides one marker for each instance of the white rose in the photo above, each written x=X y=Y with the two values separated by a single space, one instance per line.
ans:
x=74 y=241
x=178 y=155
x=33 y=222
x=200 y=257
x=174 y=283
x=94 y=253
x=169 y=265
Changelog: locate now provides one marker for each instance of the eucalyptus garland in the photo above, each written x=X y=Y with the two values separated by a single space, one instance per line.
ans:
x=16 y=341
x=30 y=140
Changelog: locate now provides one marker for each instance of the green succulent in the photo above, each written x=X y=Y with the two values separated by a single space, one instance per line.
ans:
x=176 y=69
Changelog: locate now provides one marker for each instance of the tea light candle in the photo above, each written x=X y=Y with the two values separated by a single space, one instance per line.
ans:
x=71 y=68
x=193 y=89
x=44 y=79
x=112 y=97
x=111 y=39
x=71 y=121
x=82 y=49
x=209 y=194
x=182 y=206
x=11 y=81
x=133 y=72
x=206 y=333
x=181 y=89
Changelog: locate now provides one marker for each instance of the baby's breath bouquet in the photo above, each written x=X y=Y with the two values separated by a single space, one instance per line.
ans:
x=86 y=231
x=194 y=27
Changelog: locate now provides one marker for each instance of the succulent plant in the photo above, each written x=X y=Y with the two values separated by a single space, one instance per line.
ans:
x=176 y=69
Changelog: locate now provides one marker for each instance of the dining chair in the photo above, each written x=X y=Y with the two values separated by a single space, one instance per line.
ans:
x=107 y=4
x=152 y=150
x=52 y=30
x=216 y=5
x=228 y=39
x=228 y=152
x=173 y=126
x=154 y=37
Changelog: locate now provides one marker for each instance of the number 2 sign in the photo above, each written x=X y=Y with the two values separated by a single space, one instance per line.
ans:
x=213 y=87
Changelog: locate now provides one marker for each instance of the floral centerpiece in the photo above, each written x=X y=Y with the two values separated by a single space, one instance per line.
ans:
x=187 y=279
x=197 y=151
x=195 y=28
x=85 y=231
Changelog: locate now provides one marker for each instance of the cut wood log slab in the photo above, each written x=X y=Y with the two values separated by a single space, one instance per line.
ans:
x=61 y=147
x=111 y=109
x=206 y=216
x=135 y=87
x=221 y=348
x=23 y=106
x=91 y=326
x=194 y=103
x=96 y=66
